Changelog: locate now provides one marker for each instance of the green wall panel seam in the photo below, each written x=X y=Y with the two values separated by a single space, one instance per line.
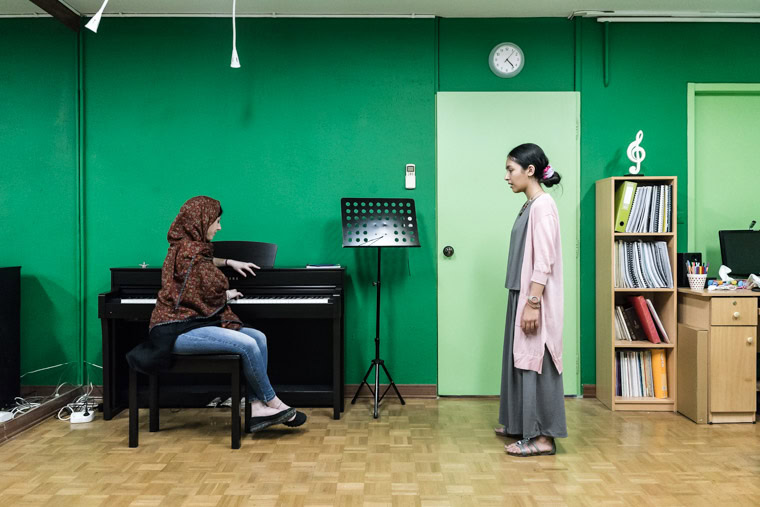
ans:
x=606 y=49
x=80 y=203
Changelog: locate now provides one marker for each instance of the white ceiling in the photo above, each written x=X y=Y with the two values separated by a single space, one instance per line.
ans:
x=442 y=8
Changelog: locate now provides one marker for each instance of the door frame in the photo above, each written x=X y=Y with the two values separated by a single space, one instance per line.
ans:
x=576 y=174
x=695 y=90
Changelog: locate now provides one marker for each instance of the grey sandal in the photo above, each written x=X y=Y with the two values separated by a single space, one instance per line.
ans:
x=502 y=432
x=528 y=448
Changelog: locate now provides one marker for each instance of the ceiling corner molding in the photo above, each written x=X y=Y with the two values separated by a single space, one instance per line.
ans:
x=669 y=16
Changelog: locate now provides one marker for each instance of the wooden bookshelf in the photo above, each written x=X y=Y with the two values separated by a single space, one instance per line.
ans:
x=607 y=296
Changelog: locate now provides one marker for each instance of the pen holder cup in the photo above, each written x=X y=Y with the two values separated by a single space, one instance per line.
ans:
x=697 y=281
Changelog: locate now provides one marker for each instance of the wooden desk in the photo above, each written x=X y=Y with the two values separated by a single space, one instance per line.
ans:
x=717 y=340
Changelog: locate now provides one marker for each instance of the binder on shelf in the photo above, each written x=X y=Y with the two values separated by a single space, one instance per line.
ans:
x=623 y=201
x=635 y=210
x=660 y=374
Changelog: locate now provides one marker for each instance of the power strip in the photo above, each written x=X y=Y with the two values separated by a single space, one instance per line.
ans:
x=80 y=417
x=5 y=416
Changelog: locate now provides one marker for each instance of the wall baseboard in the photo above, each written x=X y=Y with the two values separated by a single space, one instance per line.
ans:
x=589 y=390
x=406 y=390
x=10 y=429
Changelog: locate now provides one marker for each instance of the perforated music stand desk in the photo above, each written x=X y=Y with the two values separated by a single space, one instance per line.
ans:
x=372 y=222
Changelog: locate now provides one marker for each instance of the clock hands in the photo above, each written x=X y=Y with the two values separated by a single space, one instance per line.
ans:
x=507 y=60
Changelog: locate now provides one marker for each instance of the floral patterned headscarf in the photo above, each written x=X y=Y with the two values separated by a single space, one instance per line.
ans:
x=191 y=286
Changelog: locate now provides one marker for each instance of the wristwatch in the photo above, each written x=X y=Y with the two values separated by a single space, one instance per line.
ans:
x=534 y=300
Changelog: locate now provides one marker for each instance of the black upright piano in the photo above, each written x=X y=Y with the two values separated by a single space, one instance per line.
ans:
x=300 y=310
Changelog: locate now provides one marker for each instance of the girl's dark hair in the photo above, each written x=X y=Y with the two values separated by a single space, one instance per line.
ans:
x=220 y=211
x=532 y=154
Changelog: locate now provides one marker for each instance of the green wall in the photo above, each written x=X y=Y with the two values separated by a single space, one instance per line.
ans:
x=319 y=110
x=546 y=43
x=38 y=190
x=306 y=120
x=649 y=68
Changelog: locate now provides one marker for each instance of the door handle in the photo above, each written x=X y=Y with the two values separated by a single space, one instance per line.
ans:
x=448 y=251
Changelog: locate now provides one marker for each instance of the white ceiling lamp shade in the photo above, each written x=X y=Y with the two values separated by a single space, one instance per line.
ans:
x=95 y=20
x=235 y=63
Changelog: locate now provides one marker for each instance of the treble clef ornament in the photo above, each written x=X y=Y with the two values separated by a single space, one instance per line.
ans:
x=636 y=153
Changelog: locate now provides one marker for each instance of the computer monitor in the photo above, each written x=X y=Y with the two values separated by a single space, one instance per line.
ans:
x=740 y=251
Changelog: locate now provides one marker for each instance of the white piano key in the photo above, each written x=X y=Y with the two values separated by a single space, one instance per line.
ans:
x=279 y=301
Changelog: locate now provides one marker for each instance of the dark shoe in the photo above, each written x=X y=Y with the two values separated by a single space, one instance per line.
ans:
x=298 y=421
x=259 y=423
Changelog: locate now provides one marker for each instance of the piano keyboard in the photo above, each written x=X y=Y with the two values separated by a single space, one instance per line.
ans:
x=300 y=300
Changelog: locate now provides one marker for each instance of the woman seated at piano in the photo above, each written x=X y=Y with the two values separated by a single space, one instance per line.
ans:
x=192 y=315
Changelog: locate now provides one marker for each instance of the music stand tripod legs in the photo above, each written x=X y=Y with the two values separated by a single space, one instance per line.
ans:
x=376 y=363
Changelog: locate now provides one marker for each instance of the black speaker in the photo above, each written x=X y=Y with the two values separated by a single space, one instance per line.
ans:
x=10 y=335
x=681 y=259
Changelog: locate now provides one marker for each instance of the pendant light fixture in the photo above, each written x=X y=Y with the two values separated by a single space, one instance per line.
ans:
x=235 y=63
x=95 y=21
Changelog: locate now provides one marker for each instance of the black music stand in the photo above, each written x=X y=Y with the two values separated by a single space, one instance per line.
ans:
x=372 y=222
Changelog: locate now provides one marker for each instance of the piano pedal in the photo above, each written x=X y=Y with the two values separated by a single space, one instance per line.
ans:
x=214 y=403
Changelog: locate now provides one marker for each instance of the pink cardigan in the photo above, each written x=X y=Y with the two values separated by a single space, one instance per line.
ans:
x=542 y=263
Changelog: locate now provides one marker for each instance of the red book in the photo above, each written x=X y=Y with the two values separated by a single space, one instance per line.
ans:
x=640 y=305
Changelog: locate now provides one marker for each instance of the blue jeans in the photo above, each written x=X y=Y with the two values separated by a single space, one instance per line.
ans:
x=250 y=343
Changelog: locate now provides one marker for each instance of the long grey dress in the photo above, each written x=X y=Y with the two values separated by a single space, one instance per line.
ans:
x=531 y=404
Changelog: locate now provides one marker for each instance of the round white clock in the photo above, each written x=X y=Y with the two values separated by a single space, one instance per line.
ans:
x=506 y=59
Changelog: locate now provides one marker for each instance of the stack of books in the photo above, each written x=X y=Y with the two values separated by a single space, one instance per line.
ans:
x=643 y=208
x=639 y=321
x=641 y=373
x=642 y=265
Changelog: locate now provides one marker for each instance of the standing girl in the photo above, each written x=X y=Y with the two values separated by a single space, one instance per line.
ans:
x=532 y=404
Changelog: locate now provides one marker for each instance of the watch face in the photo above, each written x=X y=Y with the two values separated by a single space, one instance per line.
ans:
x=506 y=59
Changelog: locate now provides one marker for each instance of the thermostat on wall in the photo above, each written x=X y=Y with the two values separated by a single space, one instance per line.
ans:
x=411 y=179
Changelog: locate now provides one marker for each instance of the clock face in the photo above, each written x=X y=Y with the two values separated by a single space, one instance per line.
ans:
x=506 y=59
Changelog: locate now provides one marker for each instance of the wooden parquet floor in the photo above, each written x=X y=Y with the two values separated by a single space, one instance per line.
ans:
x=429 y=452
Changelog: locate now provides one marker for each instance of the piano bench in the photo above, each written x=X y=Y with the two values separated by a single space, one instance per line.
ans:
x=205 y=363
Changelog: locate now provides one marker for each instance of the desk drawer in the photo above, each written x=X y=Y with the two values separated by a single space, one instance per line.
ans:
x=728 y=311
